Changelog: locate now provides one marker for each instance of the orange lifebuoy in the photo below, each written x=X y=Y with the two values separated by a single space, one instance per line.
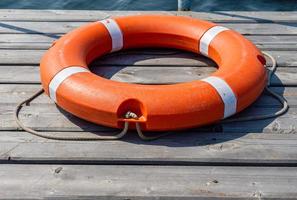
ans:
x=237 y=83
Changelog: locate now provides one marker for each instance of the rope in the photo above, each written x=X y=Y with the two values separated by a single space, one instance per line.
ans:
x=147 y=138
x=278 y=97
x=129 y=114
x=54 y=137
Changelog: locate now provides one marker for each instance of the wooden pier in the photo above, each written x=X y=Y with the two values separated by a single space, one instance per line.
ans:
x=245 y=160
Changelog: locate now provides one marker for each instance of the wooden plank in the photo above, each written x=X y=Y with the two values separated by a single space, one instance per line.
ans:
x=64 y=27
x=37 y=41
x=47 y=117
x=146 y=182
x=176 y=58
x=140 y=74
x=286 y=46
x=20 y=74
x=67 y=122
x=146 y=57
x=15 y=93
x=183 y=148
x=37 y=38
x=165 y=75
x=129 y=57
x=91 y=15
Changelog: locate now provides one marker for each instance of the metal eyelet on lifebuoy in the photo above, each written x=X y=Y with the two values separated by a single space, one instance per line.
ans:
x=239 y=80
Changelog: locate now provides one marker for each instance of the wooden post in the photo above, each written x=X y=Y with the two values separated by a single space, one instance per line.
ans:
x=184 y=5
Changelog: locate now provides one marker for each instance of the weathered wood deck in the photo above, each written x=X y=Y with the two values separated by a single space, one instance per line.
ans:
x=239 y=160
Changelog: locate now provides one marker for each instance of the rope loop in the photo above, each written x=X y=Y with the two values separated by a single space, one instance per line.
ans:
x=131 y=115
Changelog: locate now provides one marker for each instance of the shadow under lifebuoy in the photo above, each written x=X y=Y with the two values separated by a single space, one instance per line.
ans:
x=112 y=65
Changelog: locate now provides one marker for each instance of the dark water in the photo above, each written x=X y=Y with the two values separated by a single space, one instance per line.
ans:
x=197 y=5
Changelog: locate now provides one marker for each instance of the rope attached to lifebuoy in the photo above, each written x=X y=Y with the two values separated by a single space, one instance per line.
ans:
x=130 y=114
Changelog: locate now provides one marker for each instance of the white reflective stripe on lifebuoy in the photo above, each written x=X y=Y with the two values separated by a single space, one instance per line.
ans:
x=225 y=92
x=208 y=37
x=60 y=77
x=115 y=33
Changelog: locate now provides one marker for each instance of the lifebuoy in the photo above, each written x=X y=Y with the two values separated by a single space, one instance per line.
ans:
x=237 y=83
